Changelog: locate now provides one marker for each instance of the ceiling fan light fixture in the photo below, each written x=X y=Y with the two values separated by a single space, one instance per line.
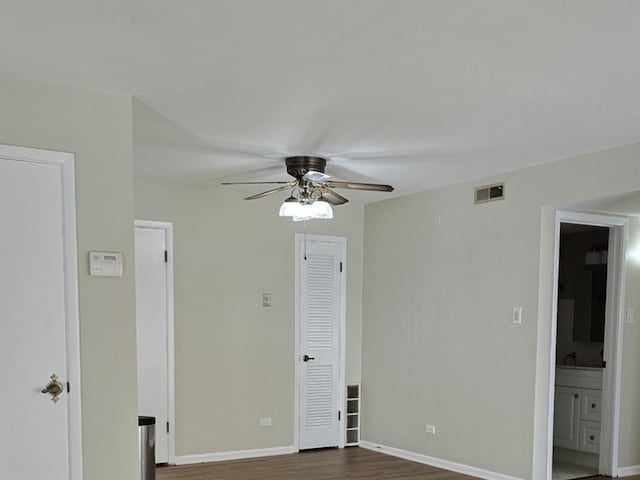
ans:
x=300 y=211
x=322 y=210
x=289 y=207
x=312 y=192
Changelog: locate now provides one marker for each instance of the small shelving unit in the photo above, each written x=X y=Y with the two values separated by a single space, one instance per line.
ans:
x=353 y=415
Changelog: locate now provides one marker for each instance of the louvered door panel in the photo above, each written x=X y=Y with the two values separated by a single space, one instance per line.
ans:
x=320 y=393
x=320 y=308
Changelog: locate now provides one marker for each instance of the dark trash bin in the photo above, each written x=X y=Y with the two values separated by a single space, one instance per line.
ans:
x=147 y=447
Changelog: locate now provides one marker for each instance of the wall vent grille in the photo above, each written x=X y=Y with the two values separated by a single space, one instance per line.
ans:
x=489 y=193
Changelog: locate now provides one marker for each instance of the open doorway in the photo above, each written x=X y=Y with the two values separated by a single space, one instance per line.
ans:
x=585 y=383
x=582 y=297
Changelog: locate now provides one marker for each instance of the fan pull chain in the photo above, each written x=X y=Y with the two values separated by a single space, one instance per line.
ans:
x=305 y=240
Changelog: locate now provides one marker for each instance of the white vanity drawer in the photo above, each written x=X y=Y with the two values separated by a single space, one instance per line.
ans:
x=590 y=405
x=590 y=437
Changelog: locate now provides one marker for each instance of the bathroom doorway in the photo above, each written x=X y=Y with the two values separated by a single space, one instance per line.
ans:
x=584 y=384
x=582 y=289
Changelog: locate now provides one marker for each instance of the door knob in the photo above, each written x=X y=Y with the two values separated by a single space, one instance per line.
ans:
x=306 y=358
x=53 y=388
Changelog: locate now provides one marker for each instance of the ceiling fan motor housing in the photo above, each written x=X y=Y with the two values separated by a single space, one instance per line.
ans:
x=298 y=166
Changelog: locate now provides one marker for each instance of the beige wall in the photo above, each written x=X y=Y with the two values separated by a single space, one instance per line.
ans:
x=234 y=358
x=441 y=276
x=97 y=128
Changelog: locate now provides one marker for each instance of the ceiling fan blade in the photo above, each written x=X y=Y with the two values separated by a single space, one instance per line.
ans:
x=255 y=183
x=376 y=187
x=334 y=198
x=269 y=192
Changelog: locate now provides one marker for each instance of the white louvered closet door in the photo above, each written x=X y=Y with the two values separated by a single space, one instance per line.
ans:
x=320 y=315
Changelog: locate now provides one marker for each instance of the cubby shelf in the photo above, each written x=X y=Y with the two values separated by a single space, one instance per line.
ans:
x=353 y=415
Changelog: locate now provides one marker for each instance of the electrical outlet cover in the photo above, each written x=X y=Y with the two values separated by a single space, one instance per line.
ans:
x=266 y=299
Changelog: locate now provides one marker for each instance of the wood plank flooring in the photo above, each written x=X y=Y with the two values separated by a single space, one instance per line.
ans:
x=331 y=464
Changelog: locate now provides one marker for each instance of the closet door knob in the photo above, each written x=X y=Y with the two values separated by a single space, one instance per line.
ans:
x=54 y=388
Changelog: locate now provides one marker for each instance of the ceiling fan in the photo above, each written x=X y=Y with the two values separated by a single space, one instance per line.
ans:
x=311 y=184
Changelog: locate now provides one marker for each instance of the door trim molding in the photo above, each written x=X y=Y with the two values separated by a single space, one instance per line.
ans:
x=66 y=162
x=171 y=407
x=613 y=335
x=342 y=241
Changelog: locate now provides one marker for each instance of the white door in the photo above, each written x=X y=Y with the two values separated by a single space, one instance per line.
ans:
x=39 y=316
x=152 y=335
x=320 y=312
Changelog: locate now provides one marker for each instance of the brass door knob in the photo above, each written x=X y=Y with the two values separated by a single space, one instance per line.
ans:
x=53 y=388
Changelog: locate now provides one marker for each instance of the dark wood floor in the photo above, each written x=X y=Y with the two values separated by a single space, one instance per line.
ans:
x=332 y=464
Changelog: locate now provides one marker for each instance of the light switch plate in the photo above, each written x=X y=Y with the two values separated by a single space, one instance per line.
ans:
x=516 y=317
x=265 y=422
x=430 y=429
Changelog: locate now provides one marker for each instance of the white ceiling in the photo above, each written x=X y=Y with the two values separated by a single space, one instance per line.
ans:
x=415 y=93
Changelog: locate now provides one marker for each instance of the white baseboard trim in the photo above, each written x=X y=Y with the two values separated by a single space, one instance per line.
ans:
x=626 y=471
x=436 y=462
x=233 y=455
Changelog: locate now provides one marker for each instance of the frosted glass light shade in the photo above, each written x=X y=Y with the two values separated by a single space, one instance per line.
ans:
x=321 y=209
x=306 y=211
x=289 y=208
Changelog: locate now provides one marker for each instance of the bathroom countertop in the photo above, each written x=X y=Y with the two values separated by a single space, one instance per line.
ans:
x=579 y=367
x=579 y=376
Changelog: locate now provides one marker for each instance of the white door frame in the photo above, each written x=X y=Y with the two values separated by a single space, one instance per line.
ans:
x=66 y=161
x=342 y=241
x=616 y=279
x=171 y=409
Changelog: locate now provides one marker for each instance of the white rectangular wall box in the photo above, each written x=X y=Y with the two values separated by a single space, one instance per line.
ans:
x=105 y=264
x=516 y=317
